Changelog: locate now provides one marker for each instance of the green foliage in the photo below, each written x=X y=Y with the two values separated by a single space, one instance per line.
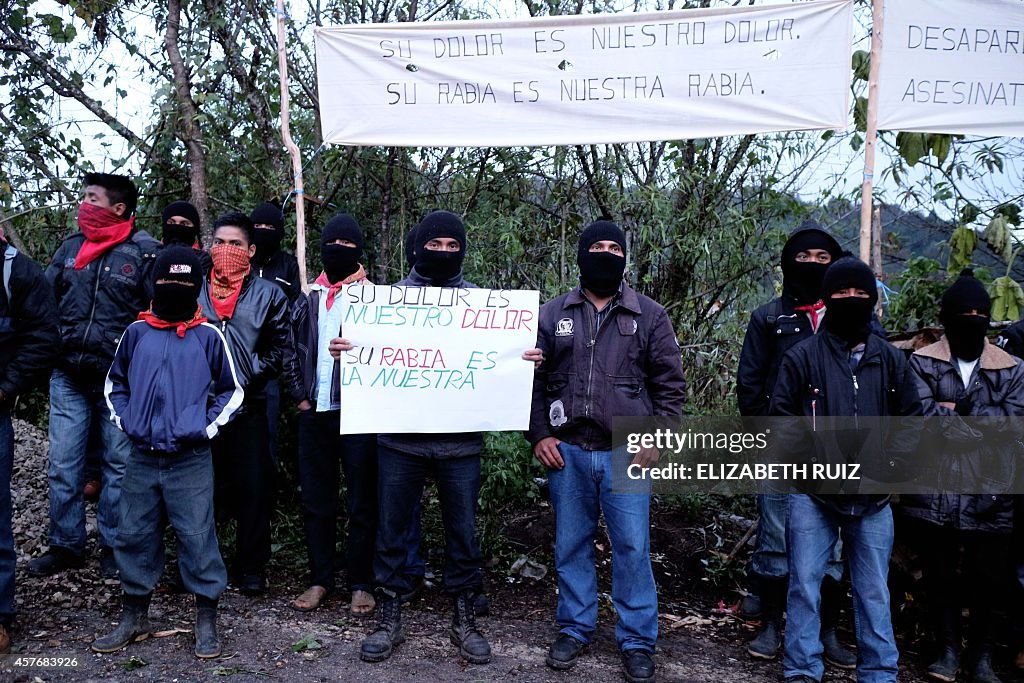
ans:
x=917 y=290
x=508 y=482
x=915 y=146
x=306 y=643
x=962 y=244
x=1007 y=299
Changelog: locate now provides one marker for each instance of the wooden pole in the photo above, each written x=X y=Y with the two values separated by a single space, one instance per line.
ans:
x=876 y=242
x=871 y=134
x=293 y=149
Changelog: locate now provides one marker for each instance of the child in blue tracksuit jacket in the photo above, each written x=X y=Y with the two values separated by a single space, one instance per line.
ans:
x=171 y=387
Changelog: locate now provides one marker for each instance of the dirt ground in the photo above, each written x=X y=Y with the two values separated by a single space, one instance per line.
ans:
x=701 y=639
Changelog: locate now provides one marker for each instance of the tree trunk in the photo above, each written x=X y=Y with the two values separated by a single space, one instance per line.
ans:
x=187 y=128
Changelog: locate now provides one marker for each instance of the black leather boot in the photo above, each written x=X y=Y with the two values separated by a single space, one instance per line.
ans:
x=980 y=643
x=378 y=645
x=471 y=643
x=134 y=625
x=207 y=642
x=947 y=636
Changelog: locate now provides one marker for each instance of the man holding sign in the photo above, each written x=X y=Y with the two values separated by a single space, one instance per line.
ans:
x=608 y=351
x=406 y=460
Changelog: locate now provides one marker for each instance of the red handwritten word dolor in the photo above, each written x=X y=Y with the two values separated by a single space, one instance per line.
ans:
x=497 y=319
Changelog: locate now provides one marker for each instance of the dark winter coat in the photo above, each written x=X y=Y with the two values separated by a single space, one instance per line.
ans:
x=449 y=445
x=628 y=366
x=996 y=389
x=96 y=304
x=257 y=334
x=300 y=359
x=29 y=340
x=283 y=270
x=816 y=379
x=169 y=392
x=774 y=328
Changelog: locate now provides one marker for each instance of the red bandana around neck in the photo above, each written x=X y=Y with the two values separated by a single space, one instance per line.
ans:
x=812 y=310
x=230 y=266
x=333 y=289
x=103 y=230
x=180 y=326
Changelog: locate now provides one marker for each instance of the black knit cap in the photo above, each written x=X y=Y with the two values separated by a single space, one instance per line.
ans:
x=342 y=227
x=179 y=264
x=810 y=235
x=269 y=214
x=183 y=209
x=966 y=293
x=849 y=272
x=438 y=224
x=600 y=231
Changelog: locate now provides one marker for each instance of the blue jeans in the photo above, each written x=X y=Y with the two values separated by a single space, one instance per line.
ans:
x=811 y=533
x=76 y=412
x=176 y=487
x=401 y=487
x=6 y=534
x=579 y=493
x=769 y=557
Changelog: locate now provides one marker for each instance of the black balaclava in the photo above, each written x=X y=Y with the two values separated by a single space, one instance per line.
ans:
x=802 y=281
x=180 y=234
x=601 y=271
x=440 y=266
x=849 y=318
x=267 y=241
x=341 y=261
x=966 y=333
x=177 y=277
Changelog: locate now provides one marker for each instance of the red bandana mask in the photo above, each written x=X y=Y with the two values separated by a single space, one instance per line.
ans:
x=103 y=230
x=230 y=266
x=334 y=288
x=179 y=327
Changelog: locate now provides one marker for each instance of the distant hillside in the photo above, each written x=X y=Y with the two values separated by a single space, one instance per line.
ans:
x=905 y=235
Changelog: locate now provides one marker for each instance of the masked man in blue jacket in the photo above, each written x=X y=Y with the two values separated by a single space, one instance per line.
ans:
x=171 y=389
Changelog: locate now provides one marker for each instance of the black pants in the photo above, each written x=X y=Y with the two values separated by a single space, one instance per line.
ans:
x=402 y=476
x=322 y=452
x=981 y=581
x=244 y=478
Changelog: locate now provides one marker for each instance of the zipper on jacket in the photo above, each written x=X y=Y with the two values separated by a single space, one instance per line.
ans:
x=856 y=408
x=92 y=311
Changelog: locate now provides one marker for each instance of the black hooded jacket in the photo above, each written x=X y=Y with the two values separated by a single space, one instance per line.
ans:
x=815 y=379
x=283 y=270
x=96 y=303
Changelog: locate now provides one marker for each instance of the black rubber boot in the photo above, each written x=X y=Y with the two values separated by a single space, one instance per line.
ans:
x=134 y=625
x=471 y=643
x=767 y=642
x=836 y=653
x=378 y=645
x=207 y=642
x=947 y=632
x=981 y=646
